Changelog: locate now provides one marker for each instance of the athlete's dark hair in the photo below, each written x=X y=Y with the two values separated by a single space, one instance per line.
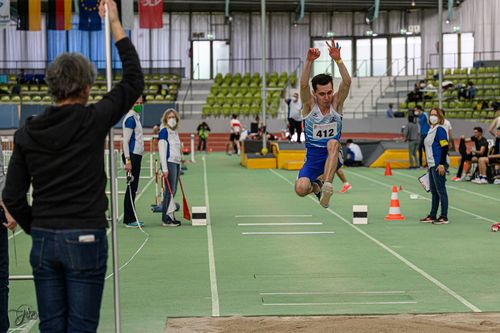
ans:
x=322 y=80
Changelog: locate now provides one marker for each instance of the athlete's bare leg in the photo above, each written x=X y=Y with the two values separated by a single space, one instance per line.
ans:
x=330 y=169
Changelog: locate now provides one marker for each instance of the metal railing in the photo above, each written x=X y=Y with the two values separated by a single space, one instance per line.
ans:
x=378 y=85
x=189 y=91
x=273 y=64
x=476 y=56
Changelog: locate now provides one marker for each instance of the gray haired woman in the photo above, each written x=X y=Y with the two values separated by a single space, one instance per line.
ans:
x=169 y=147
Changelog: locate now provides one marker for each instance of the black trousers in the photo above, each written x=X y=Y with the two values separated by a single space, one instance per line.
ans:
x=295 y=126
x=202 y=142
x=421 y=150
x=128 y=213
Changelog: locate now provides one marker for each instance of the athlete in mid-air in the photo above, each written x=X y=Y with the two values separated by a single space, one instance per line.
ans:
x=322 y=115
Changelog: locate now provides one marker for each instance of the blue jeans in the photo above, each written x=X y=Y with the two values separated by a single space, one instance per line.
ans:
x=4 y=280
x=438 y=191
x=174 y=170
x=69 y=272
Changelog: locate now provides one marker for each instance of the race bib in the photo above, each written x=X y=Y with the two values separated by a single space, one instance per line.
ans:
x=324 y=131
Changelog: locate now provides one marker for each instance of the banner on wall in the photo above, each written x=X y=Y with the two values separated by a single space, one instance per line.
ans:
x=4 y=13
x=151 y=14
x=89 y=15
x=126 y=10
x=29 y=15
x=59 y=14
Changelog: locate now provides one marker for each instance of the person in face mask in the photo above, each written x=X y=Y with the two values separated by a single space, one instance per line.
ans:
x=169 y=147
x=436 y=151
x=133 y=148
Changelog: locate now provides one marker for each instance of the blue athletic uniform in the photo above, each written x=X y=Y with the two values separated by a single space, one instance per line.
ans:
x=319 y=129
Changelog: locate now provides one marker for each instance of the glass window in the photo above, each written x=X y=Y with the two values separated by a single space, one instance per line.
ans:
x=201 y=60
x=324 y=63
x=414 y=55
x=221 y=57
x=467 y=49
x=398 y=55
x=363 y=51
x=450 y=50
x=379 y=56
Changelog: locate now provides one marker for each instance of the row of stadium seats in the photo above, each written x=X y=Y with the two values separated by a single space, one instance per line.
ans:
x=271 y=79
x=465 y=72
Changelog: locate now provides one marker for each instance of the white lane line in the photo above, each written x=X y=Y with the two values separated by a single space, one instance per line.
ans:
x=338 y=303
x=288 y=233
x=428 y=199
x=394 y=253
x=278 y=224
x=455 y=188
x=211 y=256
x=257 y=216
x=388 y=292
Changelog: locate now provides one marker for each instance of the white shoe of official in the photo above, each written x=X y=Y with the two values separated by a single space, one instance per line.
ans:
x=326 y=193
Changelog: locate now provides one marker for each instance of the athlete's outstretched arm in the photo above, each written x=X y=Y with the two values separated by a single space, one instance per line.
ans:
x=334 y=51
x=305 y=91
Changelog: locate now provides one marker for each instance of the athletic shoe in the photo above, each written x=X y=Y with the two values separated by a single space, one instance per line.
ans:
x=497 y=182
x=428 y=219
x=326 y=193
x=135 y=224
x=456 y=179
x=441 y=220
x=171 y=224
x=483 y=180
x=345 y=188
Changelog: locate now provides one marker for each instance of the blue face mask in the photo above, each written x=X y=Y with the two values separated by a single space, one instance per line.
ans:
x=137 y=108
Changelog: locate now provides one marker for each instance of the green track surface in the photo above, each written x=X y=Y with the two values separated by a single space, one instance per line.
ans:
x=380 y=268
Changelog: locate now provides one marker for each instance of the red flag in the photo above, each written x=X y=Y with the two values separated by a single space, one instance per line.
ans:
x=185 y=206
x=151 y=14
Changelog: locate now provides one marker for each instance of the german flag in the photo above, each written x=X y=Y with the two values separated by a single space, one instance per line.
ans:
x=29 y=15
x=59 y=14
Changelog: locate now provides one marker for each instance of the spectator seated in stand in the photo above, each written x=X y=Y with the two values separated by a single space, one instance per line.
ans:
x=354 y=156
x=481 y=150
x=493 y=160
x=471 y=90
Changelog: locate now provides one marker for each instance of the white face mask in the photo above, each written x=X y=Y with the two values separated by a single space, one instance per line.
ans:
x=172 y=122
x=433 y=119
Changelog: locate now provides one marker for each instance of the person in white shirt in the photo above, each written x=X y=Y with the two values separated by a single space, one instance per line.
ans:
x=495 y=123
x=354 y=155
x=234 y=137
x=294 y=116
x=133 y=148
x=169 y=148
x=448 y=128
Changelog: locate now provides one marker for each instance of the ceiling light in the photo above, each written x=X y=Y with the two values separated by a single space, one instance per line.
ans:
x=413 y=4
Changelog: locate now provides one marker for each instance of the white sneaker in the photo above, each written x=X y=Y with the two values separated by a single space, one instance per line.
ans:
x=476 y=181
x=326 y=193
x=483 y=181
x=497 y=182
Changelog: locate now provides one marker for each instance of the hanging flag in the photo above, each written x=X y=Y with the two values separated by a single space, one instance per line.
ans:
x=89 y=15
x=59 y=14
x=126 y=11
x=151 y=14
x=4 y=13
x=29 y=15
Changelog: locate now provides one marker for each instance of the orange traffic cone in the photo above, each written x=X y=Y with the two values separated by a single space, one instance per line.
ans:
x=394 y=209
x=388 y=171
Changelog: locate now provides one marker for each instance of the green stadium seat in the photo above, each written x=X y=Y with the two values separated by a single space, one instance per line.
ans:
x=220 y=98
x=5 y=99
x=238 y=98
x=210 y=99
x=206 y=110
x=218 y=78
x=230 y=99
x=245 y=110
x=159 y=97
x=47 y=98
x=26 y=98
x=150 y=98
x=216 y=110
x=15 y=98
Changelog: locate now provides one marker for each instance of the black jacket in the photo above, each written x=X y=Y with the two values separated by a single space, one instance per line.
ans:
x=60 y=152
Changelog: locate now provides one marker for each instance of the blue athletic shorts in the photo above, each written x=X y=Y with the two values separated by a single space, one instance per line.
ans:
x=314 y=165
